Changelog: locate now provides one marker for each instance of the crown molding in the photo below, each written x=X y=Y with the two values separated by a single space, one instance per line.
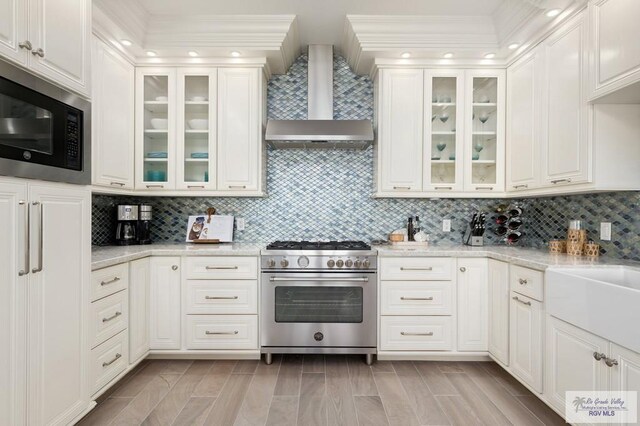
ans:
x=194 y=63
x=130 y=16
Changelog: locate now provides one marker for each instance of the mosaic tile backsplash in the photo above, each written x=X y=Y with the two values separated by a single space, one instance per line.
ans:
x=326 y=194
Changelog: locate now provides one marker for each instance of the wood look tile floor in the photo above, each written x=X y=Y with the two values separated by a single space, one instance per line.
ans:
x=319 y=390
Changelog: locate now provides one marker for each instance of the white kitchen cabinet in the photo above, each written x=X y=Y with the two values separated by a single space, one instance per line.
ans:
x=165 y=301
x=565 y=151
x=499 y=310
x=525 y=340
x=400 y=119
x=112 y=112
x=473 y=316
x=625 y=375
x=139 y=308
x=524 y=121
x=13 y=30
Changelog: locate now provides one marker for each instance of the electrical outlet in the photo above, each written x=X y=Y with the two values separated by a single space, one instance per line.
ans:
x=240 y=223
x=605 y=231
x=446 y=225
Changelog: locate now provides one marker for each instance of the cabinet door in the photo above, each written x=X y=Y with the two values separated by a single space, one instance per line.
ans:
x=62 y=30
x=165 y=303
x=525 y=340
x=400 y=121
x=566 y=148
x=524 y=88
x=443 y=130
x=239 y=129
x=570 y=364
x=625 y=376
x=13 y=30
x=112 y=124
x=473 y=317
x=13 y=308
x=59 y=299
x=499 y=310
x=139 y=281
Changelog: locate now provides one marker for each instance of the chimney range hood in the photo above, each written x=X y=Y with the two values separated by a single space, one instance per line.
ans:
x=320 y=130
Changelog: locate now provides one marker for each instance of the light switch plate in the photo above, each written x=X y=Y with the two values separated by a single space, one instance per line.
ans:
x=605 y=231
x=240 y=223
x=446 y=225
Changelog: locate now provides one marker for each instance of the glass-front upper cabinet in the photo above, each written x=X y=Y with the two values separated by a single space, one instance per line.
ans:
x=443 y=131
x=484 y=144
x=155 y=129
x=196 y=129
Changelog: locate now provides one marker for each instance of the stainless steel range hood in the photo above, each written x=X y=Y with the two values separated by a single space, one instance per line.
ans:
x=320 y=130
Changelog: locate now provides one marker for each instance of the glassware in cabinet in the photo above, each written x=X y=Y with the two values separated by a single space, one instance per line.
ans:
x=155 y=128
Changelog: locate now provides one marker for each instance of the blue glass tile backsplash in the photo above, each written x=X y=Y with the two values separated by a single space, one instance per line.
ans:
x=326 y=194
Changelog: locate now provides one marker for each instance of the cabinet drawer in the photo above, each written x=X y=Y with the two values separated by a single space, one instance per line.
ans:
x=416 y=268
x=108 y=360
x=109 y=316
x=416 y=297
x=222 y=268
x=416 y=333
x=222 y=331
x=222 y=297
x=109 y=280
x=528 y=282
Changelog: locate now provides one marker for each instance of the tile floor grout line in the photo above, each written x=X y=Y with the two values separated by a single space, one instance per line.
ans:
x=273 y=391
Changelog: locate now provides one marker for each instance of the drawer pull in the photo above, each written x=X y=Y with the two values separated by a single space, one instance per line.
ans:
x=483 y=188
x=111 y=281
x=195 y=186
x=520 y=186
x=154 y=186
x=117 y=357
x=112 y=317
x=208 y=268
x=409 y=268
x=408 y=188
x=416 y=298
x=120 y=184
x=237 y=186
x=448 y=188
x=221 y=297
x=408 y=333
x=523 y=281
x=557 y=181
x=610 y=362
x=521 y=301
x=209 y=333
x=599 y=356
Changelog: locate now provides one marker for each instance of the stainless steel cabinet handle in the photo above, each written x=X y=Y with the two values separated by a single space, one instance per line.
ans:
x=523 y=281
x=27 y=238
x=40 y=238
x=411 y=268
x=220 y=267
x=237 y=186
x=408 y=333
x=483 y=188
x=521 y=301
x=220 y=332
x=117 y=357
x=557 y=181
x=155 y=186
x=408 y=188
x=38 y=52
x=174 y=267
x=610 y=362
x=25 y=45
x=111 y=281
x=114 y=316
x=444 y=187
x=520 y=186
x=357 y=279
x=599 y=356
x=221 y=297
x=463 y=269
x=117 y=183
x=416 y=298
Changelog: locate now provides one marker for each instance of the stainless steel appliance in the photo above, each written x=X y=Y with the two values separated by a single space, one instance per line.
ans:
x=318 y=298
x=144 y=224
x=127 y=228
x=44 y=130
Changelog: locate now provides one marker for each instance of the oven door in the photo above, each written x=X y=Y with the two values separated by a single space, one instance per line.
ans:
x=319 y=310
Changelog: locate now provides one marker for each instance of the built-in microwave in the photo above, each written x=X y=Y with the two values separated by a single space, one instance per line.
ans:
x=44 y=130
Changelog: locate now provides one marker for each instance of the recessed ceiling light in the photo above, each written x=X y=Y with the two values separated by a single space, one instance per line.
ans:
x=514 y=46
x=235 y=54
x=126 y=42
x=489 y=55
x=448 y=55
x=151 y=53
x=553 y=12
x=405 y=55
x=193 y=53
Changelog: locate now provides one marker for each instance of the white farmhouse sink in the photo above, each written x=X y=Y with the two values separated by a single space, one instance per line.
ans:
x=604 y=300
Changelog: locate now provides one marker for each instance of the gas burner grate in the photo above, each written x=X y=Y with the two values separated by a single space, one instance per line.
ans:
x=319 y=245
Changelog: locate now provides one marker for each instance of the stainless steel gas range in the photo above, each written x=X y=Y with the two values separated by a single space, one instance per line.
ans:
x=318 y=297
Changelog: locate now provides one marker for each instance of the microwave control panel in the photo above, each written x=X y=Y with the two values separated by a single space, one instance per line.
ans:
x=72 y=137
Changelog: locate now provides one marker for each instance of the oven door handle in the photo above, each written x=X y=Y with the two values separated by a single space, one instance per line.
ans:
x=325 y=279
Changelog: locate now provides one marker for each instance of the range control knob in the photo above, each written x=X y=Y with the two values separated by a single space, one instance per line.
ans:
x=340 y=263
x=284 y=263
x=348 y=263
x=331 y=263
x=271 y=263
x=303 y=261
x=357 y=263
x=366 y=264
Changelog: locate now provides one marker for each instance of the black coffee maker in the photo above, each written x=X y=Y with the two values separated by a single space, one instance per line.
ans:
x=144 y=224
x=127 y=227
